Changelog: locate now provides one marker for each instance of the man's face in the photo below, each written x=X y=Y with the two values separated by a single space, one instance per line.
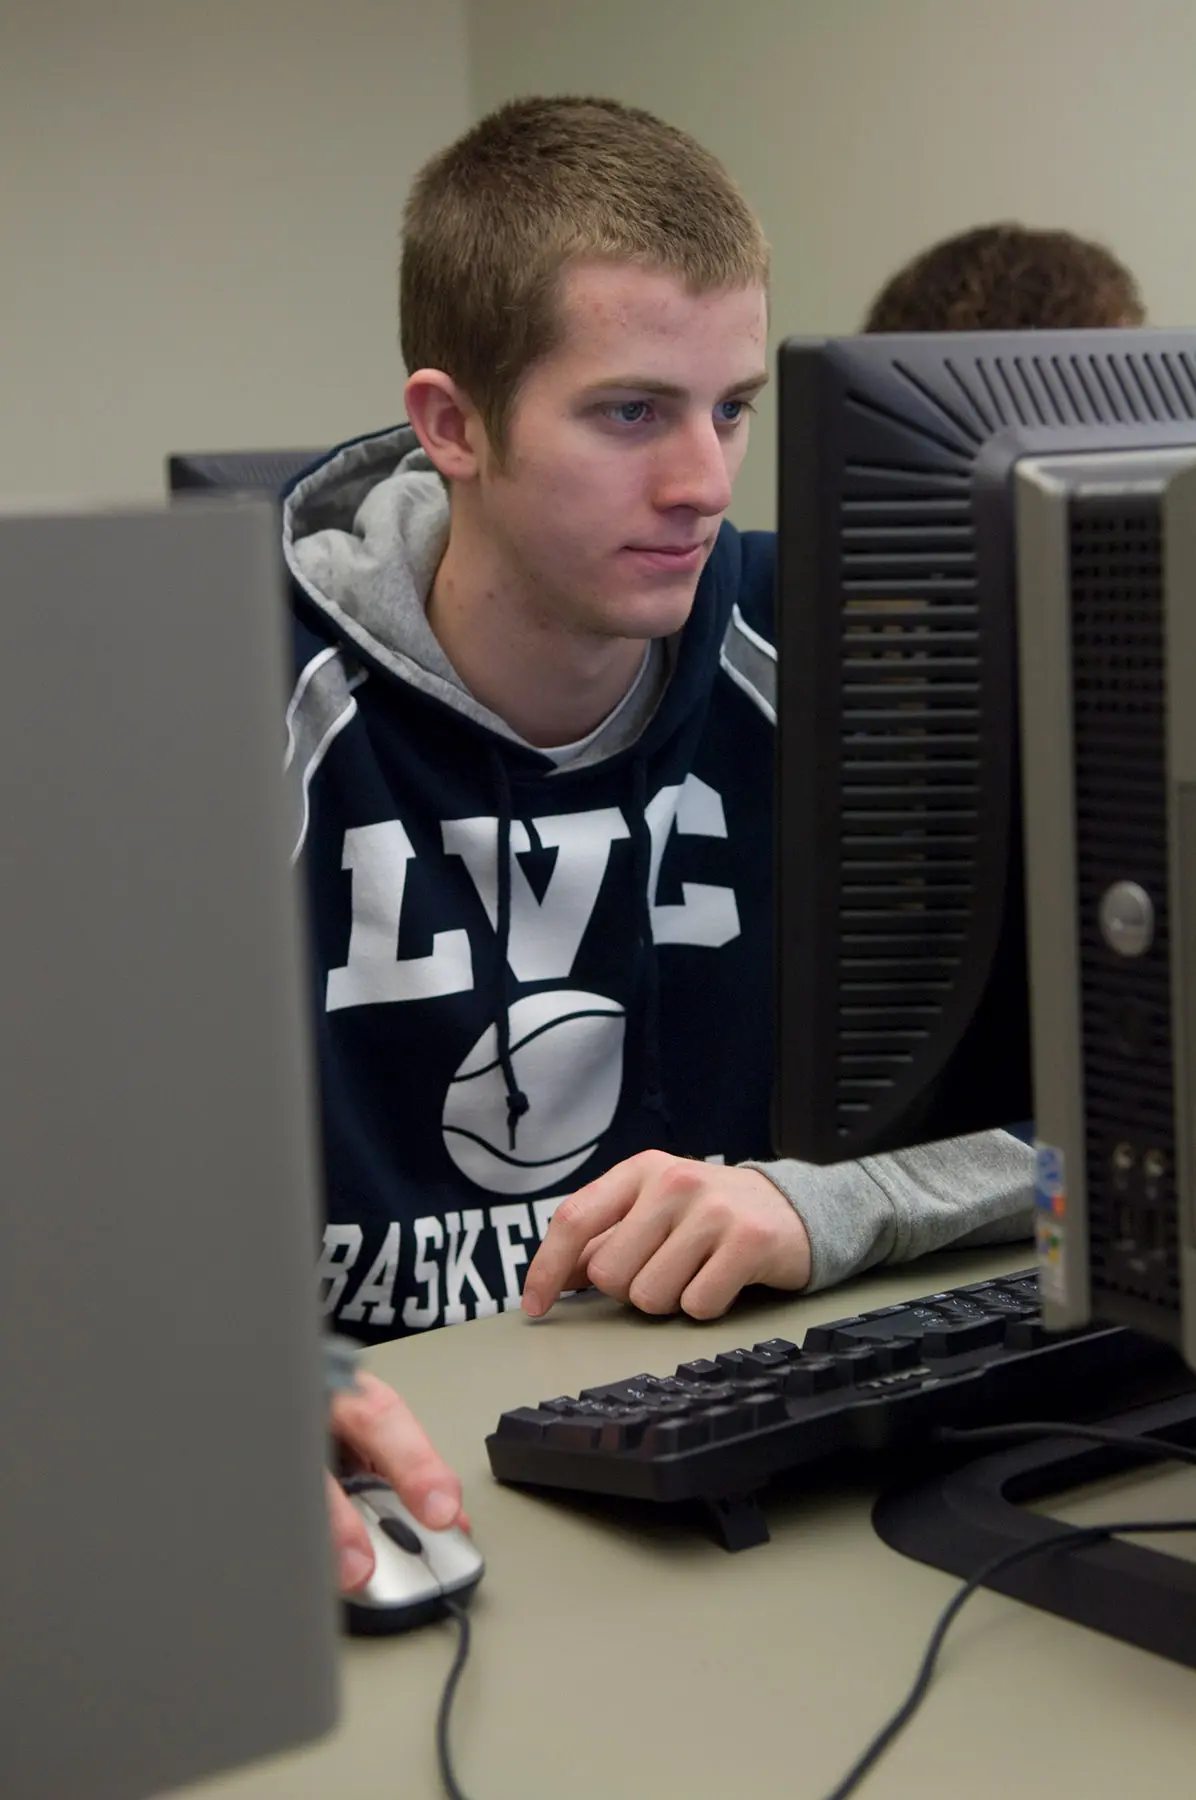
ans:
x=622 y=449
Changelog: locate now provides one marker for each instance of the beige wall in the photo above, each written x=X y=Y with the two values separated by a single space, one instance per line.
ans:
x=198 y=206
x=864 y=129
x=198 y=215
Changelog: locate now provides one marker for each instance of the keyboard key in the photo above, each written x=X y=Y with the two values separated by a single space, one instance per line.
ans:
x=725 y=1421
x=637 y=1392
x=958 y=1306
x=925 y=1318
x=668 y=1409
x=963 y=1335
x=781 y=1346
x=701 y=1369
x=1027 y=1286
x=763 y=1409
x=761 y=1384
x=762 y=1360
x=716 y=1391
x=523 y=1422
x=732 y=1362
x=902 y=1353
x=813 y=1375
x=571 y=1434
x=625 y=1432
x=1014 y=1306
x=858 y=1363
x=820 y=1338
x=876 y=1331
x=666 y=1437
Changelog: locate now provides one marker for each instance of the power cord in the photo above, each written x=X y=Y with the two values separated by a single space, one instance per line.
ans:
x=1071 y=1537
x=1074 y=1538
x=444 y=1757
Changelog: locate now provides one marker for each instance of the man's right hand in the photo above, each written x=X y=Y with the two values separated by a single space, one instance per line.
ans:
x=383 y=1436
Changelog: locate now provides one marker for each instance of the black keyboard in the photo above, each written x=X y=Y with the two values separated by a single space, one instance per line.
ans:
x=719 y=1427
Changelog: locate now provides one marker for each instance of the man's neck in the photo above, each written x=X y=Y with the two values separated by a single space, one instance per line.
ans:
x=550 y=685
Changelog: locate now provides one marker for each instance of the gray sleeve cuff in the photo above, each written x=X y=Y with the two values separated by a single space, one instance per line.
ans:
x=893 y=1208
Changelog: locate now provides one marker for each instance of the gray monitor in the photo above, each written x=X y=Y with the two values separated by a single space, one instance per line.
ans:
x=955 y=506
x=166 y=1591
x=264 y=472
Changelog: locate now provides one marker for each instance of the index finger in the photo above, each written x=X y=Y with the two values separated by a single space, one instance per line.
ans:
x=577 y=1220
x=382 y=1430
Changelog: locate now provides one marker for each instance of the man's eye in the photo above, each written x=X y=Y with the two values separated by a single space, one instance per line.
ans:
x=627 y=412
x=731 y=411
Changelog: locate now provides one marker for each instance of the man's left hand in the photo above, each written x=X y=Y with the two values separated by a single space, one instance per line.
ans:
x=665 y=1232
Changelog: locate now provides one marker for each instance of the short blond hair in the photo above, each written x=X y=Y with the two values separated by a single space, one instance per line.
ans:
x=492 y=222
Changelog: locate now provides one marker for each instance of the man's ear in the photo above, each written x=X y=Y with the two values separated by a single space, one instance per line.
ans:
x=446 y=422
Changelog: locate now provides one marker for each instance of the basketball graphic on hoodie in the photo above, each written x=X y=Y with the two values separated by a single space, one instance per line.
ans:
x=567 y=1059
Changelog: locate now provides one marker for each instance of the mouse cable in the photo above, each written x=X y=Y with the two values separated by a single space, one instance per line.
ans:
x=444 y=1756
x=1070 y=1537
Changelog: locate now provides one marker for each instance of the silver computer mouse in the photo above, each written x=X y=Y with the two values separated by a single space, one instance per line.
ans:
x=415 y=1570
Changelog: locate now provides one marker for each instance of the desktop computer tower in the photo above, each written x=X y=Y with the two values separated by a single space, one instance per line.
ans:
x=1106 y=565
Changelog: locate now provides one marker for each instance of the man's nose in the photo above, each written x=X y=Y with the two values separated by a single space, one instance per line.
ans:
x=692 y=472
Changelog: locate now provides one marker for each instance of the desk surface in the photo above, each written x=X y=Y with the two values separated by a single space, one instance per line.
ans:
x=612 y=1659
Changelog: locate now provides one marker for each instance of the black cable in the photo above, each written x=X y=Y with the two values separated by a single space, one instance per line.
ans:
x=444 y=1757
x=1157 y=1449
x=1074 y=1537
x=1070 y=1537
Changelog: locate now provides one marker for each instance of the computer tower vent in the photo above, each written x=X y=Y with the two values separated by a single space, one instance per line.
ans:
x=1118 y=638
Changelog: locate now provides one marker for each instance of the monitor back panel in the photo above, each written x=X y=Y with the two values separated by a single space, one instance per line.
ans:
x=166 y=1600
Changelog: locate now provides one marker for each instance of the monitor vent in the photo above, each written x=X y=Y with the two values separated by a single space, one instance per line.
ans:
x=1069 y=389
x=1121 y=835
x=910 y=769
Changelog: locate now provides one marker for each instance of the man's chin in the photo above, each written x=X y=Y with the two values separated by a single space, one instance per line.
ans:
x=652 y=614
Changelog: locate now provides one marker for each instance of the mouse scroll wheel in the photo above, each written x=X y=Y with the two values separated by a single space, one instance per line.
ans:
x=401 y=1534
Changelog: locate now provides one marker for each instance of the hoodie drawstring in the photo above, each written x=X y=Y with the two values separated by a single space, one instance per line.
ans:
x=646 y=971
x=651 y=1081
x=517 y=1100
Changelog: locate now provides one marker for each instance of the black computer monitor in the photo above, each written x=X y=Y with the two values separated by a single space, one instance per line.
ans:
x=237 y=471
x=901 y=941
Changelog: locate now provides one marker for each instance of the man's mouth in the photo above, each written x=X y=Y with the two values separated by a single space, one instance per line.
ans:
x=669 y=549
x=679 y=557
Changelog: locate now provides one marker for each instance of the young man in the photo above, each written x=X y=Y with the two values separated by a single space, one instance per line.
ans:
x=1008 y=278
x=534 y=751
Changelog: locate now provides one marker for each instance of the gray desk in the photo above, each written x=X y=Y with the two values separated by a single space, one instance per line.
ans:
x=614 y=1664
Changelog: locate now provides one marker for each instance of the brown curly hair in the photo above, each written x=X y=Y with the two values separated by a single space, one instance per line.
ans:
x=1008 y=278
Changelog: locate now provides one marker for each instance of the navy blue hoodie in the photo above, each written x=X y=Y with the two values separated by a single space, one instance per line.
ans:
x=525 y=971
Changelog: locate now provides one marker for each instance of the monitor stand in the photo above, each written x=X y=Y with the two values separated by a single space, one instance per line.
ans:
x=960 y=1519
